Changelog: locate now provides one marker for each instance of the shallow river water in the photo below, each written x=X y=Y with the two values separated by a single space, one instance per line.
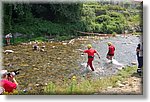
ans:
x=62 y=60
x=125 y=54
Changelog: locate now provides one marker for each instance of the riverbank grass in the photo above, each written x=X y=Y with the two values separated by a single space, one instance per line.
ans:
x=79 y=85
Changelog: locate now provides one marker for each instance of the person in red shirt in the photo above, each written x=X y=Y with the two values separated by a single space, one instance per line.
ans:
x=111 y=51
x=8 y=82
x=90 y=53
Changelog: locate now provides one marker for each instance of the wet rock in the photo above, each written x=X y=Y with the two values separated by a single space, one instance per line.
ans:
x=125 y=82
x=24 y=44
x=36 y=69
x=8 y=51
x=133 y=63
x=30 y=85
x=71 y=41
x=118 y=82
x=24 y=65
x=124 y=43
x=33 y=65
x=53 y=46
x=45 y=84
x=109 y=87
x=130 y=43
x=58 y=58
x=120 y=68
x=64 y=43
x=120 y=85
x=37 y=85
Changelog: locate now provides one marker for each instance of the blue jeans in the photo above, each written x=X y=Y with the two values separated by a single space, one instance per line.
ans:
x=140 y=62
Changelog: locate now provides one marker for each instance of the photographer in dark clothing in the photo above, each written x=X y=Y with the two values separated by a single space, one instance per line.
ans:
x=139 y=52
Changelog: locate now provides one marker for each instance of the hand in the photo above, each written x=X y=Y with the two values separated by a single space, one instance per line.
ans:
x=80 y=50
x=10 y=78
x=82 y=54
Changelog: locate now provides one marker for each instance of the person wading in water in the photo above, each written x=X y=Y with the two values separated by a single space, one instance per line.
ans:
x=111 y=51
x=90 y=53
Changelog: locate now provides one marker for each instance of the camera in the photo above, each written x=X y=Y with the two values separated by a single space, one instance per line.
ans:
x=13 y=73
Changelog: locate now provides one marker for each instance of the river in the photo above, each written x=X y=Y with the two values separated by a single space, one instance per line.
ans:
x=62 y=60
x=125 y=54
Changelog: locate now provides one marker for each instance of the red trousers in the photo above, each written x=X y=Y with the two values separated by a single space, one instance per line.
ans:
x=8 y=41
x=90 y=63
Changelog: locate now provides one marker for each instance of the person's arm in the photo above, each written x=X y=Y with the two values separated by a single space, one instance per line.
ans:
x=81 y=50
x=98 y=55
x=109 y=50
x=14 y=81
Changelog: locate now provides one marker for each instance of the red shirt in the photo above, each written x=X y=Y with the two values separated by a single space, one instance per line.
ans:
x=7 y=85
x=111 y=49
x=90 y=52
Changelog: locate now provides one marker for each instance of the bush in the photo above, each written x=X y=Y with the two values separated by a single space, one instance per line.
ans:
x=62 y=38
x=114 y=34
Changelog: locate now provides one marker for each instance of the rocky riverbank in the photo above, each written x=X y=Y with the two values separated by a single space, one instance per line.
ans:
x=59 y=61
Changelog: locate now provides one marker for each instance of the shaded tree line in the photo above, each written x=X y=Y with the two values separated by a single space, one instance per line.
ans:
x=64 y=19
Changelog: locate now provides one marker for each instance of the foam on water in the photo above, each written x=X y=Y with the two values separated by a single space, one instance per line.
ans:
x=125 y=53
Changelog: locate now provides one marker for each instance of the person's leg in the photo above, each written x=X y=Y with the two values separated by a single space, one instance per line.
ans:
x=138 y=59
x=108 y=57
x=90 y=63
x=140 y=64
x=8 y=41
x=111 y=58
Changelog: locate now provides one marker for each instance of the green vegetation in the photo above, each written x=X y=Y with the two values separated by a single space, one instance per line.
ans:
x=88 y=86
x=61 y=21
x=84 y=85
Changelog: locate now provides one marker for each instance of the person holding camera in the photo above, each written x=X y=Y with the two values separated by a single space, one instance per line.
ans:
x=8 y=82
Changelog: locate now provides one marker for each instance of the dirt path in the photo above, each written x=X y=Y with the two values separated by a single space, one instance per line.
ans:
x=132 y=86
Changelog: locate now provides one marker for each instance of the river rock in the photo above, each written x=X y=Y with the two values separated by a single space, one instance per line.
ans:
x=125 y=82
x=8 y=51
x=130 y=43
x=121 y=85
x=37 y=85
x=109 y=87
x=64 y=43
x=71 y=41
x=120 y=68
x=53 y=46
x=133 y=63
